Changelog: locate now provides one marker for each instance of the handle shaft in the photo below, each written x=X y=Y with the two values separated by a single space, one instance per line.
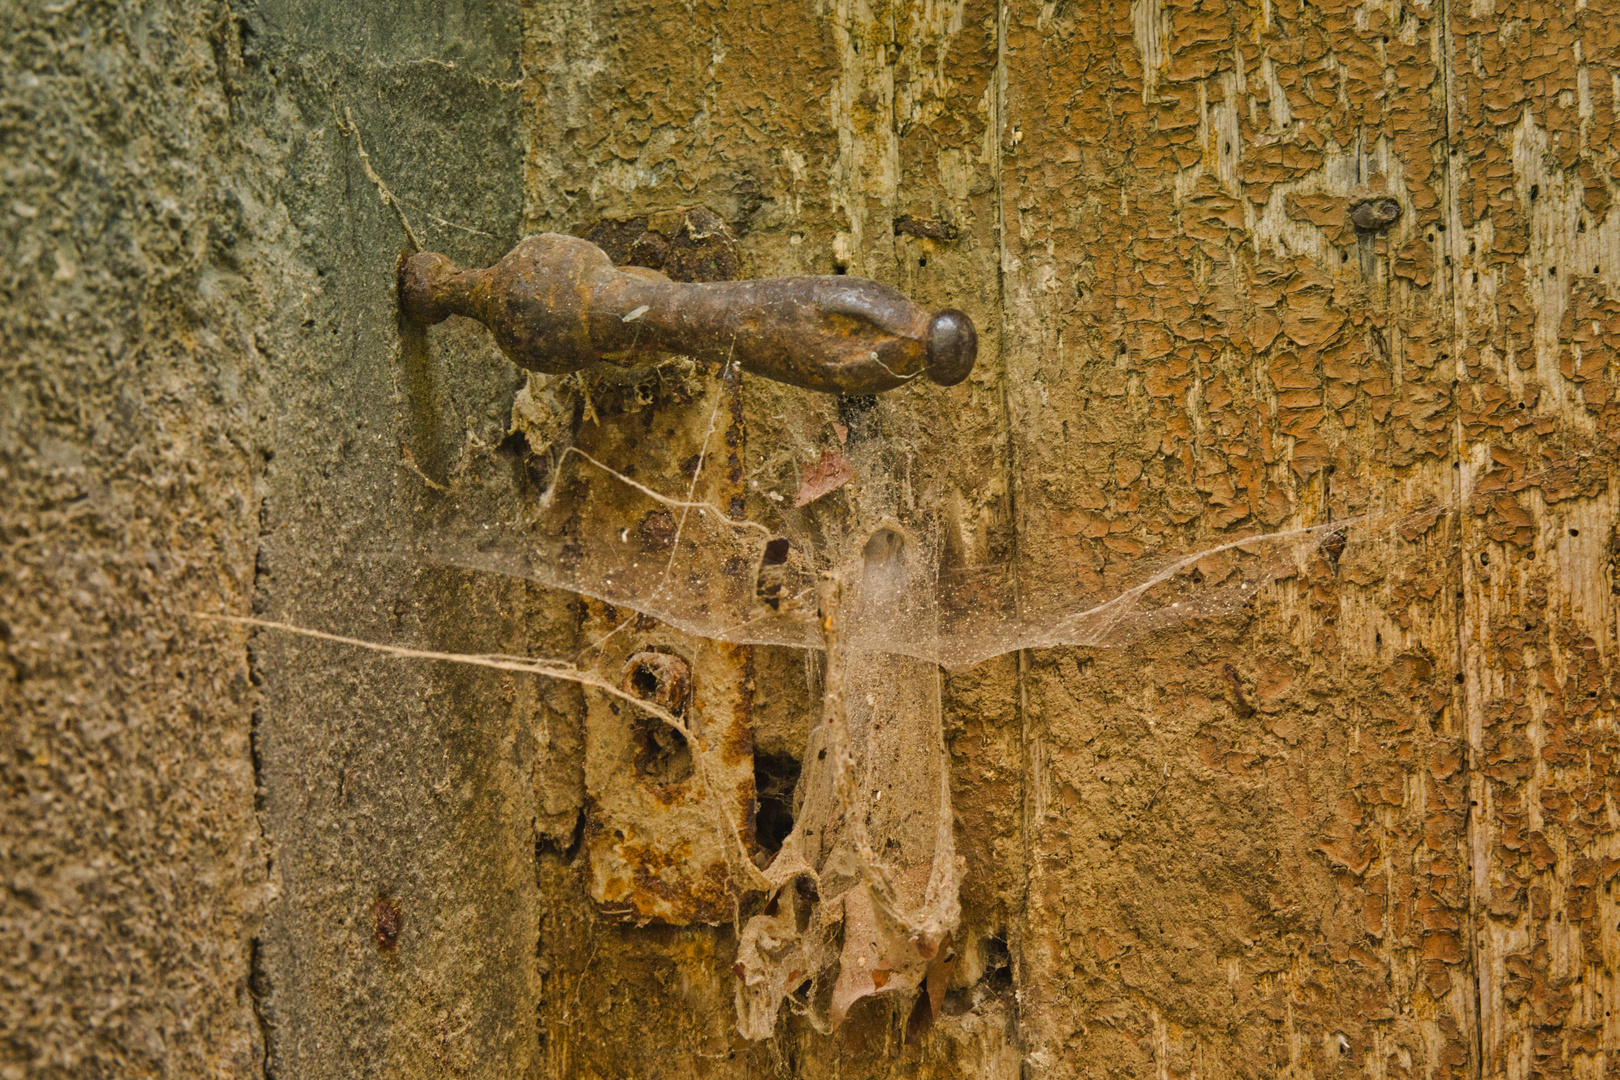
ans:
x=557 y=303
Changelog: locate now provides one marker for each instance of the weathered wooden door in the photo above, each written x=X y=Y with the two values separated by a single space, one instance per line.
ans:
x=1237 y=267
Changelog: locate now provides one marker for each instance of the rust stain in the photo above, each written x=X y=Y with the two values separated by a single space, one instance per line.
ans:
x=387 y=922
x=659 y=801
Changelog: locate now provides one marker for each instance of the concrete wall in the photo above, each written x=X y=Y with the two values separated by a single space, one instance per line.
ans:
x=207 y=407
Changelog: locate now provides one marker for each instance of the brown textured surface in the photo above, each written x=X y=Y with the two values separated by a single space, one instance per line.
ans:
x=1535 y=262
x=203 y=403
x=1247 y=846
x=1246 y=839
x=1367 y=827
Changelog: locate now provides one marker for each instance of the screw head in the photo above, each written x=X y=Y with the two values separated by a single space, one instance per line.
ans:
x=1375 y=215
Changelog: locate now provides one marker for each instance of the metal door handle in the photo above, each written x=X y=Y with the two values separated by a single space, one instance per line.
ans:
x=557 y=303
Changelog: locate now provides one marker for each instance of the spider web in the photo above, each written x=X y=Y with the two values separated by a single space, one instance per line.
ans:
x=862 y=897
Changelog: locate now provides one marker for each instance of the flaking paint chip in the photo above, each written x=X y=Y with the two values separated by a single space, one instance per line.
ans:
x=826 y=475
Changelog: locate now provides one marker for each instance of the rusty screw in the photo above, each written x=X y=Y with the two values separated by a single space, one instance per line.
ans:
x=557 y=303
x=1375 y=215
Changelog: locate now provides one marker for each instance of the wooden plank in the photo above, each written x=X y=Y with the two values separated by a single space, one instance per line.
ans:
x=1535 y=260
x=916 y=196
x=1246 y=838
x=844 y=138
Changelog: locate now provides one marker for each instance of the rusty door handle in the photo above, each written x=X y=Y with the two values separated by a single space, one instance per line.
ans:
x=557 y=303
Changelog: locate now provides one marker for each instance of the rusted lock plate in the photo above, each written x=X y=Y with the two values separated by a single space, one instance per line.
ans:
x=659 y=806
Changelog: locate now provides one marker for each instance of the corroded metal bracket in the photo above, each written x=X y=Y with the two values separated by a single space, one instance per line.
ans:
x=557 y=304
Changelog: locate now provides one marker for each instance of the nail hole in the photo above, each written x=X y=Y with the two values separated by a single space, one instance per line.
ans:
x=840 y=268
x=922 y=260
x=776 y=552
